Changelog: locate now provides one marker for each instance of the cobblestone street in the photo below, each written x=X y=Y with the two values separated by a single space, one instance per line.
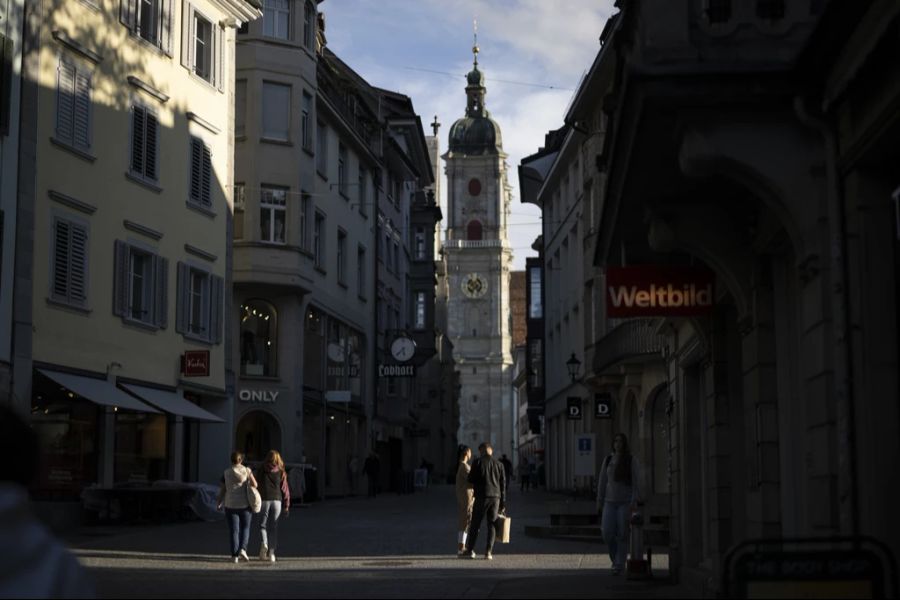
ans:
x=393 y=546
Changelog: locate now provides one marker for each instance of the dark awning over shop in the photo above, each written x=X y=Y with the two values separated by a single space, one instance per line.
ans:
x=98 y=391
x=172 y=402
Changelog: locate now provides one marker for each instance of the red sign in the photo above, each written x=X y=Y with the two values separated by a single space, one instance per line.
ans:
x=195 y=363
x=654 y=291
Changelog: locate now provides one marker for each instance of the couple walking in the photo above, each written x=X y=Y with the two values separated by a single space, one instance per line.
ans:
x=480 y=492
x=271 y=483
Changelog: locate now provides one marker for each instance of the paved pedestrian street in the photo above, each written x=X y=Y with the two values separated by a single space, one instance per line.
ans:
x=392 y=546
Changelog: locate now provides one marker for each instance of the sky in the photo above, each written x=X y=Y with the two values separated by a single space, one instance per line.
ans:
x=533 y=54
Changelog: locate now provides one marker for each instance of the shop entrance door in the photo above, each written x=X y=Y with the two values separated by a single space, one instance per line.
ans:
x=257 y=433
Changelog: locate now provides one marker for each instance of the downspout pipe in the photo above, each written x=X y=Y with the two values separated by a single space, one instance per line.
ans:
x=848 y=479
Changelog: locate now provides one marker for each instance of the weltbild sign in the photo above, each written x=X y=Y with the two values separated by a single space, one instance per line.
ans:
x=658 y=291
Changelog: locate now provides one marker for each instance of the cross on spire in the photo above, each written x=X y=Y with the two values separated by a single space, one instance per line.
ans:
x=475 y=49
x=435 y=125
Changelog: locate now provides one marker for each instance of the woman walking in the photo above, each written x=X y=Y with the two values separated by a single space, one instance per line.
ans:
x=618 y=494
x=233 y=495
x=465 y=496
x=276 y=497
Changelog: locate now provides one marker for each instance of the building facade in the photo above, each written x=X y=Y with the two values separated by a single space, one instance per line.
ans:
x=120 y=349
x=478 y=265
x=757 y=417
x=11 y=28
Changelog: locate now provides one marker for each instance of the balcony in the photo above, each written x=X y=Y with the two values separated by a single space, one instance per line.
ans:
x=633 y=340
x=473 y=244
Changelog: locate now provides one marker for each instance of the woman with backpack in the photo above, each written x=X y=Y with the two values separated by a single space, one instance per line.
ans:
x=618 y=493
x=276 y=497
x=233 y=496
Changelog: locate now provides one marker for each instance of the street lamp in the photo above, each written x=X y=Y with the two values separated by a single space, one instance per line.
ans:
x=573 y=364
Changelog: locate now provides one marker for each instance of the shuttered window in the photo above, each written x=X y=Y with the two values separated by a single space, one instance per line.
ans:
x=201 y=173
x=73 y=105
x=200 y=304
x=150 y=20
x=69 y=263
x=144 y=143
x=140 y=286
x=203 y=46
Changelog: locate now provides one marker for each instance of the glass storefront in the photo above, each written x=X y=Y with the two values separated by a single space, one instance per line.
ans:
x=67 y=432
x=140 y=452
x=258 y=339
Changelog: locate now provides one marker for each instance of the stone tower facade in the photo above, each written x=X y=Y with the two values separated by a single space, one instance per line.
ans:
x=479 y=256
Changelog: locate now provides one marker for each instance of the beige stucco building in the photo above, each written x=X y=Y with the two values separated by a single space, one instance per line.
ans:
x=125 y=207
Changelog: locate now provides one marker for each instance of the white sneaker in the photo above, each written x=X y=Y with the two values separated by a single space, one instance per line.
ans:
x=243 y=555
x=271 y=557
x=263 y=551
x=235 y=559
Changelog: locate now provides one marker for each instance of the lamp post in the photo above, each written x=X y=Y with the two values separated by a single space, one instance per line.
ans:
x=573 y=364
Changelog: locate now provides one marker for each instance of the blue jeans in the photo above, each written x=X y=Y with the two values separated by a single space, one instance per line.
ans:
x=238 y=528
x=615 y=531
x=268 y=523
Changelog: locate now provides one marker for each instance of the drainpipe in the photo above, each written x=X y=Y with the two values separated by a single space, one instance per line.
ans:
x=843 y=357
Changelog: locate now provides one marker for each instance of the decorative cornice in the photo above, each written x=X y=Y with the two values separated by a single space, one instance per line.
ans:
x=192 y=116
x=143 y=85
x=138 y=228
x=63 y=38
x=71 y=202
x=200 y=253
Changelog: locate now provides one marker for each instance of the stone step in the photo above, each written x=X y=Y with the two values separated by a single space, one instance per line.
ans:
x=588 y=533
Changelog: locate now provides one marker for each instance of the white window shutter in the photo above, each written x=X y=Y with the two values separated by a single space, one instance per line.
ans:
x=128 y=14
x=78 y=265
x=220 y=57
x=216 y=308
x=161 y=291
x=168 y=27
x=137 y=139
x=187 y=46
x=82 y=110
x=62 y=237
x=182 y=298
x=65 y=102
x=120 y=279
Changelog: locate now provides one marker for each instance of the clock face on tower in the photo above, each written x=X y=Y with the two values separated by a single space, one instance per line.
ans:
x=474 y=285
x=474 y=186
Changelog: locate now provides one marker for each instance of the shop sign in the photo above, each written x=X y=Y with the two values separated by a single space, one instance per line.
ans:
x=602 y=406
x=574 y=404
x=263 y=396
x=396 y=370
x=344 y=371
x=195 y=363
x=658 y=291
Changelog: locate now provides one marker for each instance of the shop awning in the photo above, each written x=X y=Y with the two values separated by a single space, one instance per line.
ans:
x=172 y=403
x=98 y=391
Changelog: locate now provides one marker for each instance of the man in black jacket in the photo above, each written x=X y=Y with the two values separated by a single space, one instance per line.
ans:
x=488 y=477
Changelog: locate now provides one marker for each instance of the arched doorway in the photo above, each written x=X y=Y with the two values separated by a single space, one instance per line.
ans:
x=257 y=433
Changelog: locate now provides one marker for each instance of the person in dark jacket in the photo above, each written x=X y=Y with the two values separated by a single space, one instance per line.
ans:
x=488 y=477
x=372 y=467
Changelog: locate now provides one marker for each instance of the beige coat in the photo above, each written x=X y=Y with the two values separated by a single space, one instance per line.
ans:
x=465 y=496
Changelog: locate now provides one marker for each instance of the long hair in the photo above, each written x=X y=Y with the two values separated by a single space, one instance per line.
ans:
x=274 y=458
x=623 y=464
x=461 y=452
x=237 y=458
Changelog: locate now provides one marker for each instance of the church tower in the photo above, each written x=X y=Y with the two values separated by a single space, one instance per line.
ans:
x=478 y=258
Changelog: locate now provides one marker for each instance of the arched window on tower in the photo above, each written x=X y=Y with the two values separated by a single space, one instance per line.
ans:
x=473 y=230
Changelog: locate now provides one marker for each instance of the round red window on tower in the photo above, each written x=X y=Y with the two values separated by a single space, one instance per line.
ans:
x=474 y=187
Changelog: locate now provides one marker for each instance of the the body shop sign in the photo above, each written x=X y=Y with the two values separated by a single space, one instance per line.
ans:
x=655 y=291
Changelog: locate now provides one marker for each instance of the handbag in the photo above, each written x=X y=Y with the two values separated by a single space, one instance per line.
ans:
x=504 y=524
x=254 y=500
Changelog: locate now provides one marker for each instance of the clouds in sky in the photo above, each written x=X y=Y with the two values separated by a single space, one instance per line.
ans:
x=397 y=44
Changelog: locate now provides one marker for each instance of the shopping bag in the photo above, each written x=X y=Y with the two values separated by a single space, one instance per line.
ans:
x=254 y=500
x=504 y=524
